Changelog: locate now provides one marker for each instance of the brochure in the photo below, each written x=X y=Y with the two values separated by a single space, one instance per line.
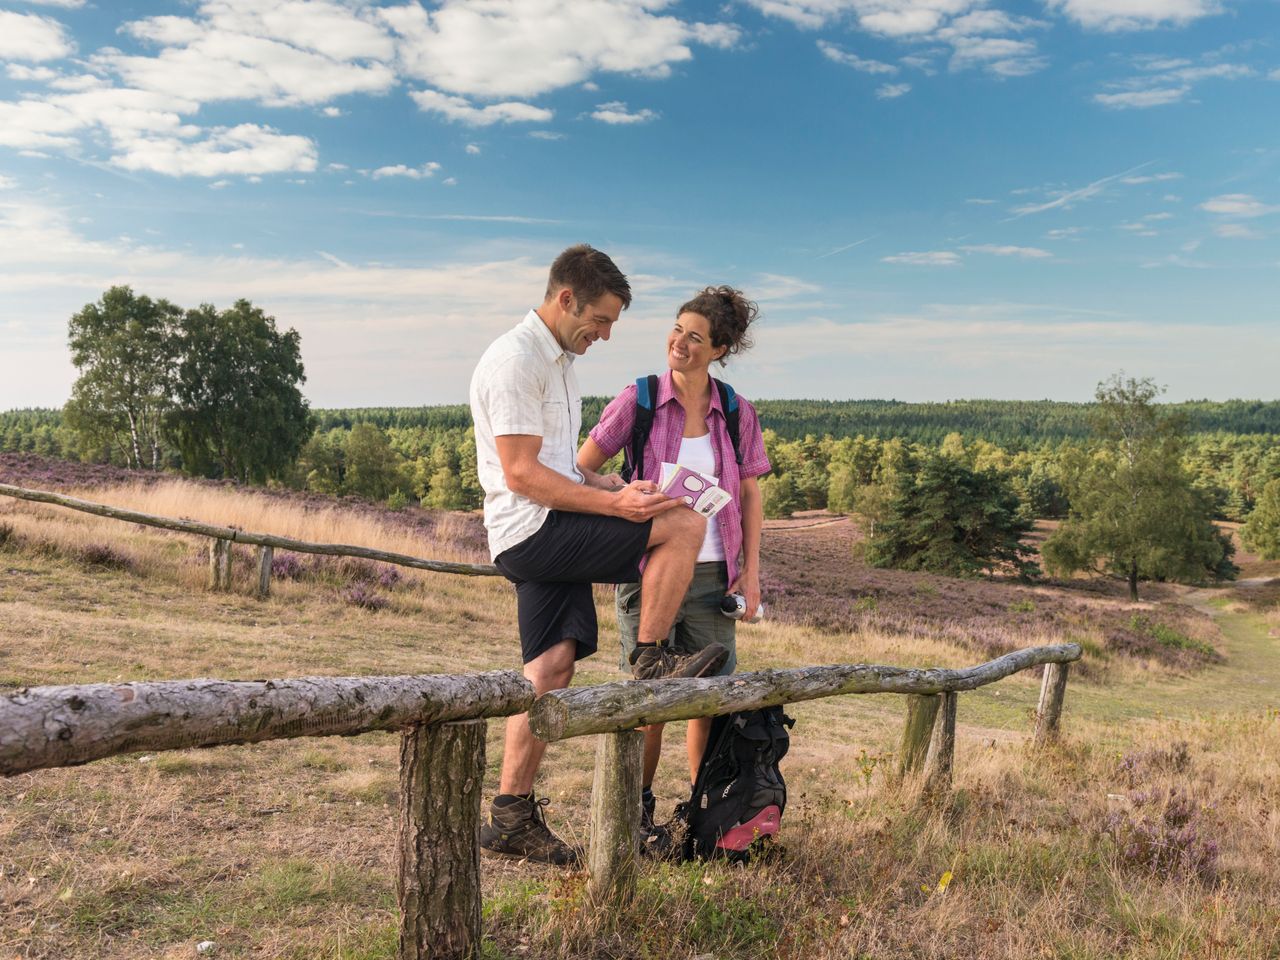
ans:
x=701 y=492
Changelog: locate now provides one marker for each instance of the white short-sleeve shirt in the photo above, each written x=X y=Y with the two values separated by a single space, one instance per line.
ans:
x=523 y=384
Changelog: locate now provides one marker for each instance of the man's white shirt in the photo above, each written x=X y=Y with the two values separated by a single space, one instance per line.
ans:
x=523 y=384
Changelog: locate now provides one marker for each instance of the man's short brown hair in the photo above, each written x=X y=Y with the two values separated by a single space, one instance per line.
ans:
x=590 y=274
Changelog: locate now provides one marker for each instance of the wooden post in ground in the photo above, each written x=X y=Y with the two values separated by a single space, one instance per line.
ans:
x=1053 y=689
x=921 y=710
x=219 y=564
x=940 y=760
x=265 y=555
x=615 y=818
x=438 y=848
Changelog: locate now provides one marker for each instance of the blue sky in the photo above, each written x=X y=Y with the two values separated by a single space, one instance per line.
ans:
x=930 y=199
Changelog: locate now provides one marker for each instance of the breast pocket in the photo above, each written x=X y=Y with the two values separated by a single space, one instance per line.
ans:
x=555 y=423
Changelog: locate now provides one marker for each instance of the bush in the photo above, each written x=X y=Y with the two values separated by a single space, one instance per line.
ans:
x=7 y=535
x=1160 y=835
x=365 y=597
x=103 y=555
x=287 y=566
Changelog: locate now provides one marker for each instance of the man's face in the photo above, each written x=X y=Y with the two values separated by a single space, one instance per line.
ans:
x=581 y=325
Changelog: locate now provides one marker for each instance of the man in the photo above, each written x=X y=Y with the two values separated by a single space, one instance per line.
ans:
x=554 y=529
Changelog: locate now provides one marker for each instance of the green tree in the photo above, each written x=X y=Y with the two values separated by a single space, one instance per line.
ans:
x=239 y=413
x=1261 y=532
x=778 y=496
x=1134 y=512
x=372 y=467
x=952 y=520
x=124 y=348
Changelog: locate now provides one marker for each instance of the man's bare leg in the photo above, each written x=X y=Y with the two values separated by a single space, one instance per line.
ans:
x=674 y=542
x=522 y=752
x=652 y=752
x=695 y=742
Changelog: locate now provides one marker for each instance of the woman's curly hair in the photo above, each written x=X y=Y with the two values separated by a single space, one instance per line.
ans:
x=729 y=313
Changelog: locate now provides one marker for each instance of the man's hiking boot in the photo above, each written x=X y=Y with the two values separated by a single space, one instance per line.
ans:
x=518 y=828
x=655 y=839
x=657 y=661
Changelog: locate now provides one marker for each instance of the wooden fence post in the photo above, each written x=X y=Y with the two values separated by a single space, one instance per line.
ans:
x=615 y=818
x=940 y=760
x=265 y=555
x=219 y=564
x=1053 y=689
x=921 y=710
x=438 y=841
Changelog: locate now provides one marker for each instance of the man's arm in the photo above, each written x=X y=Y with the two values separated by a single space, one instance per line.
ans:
x=528 y=476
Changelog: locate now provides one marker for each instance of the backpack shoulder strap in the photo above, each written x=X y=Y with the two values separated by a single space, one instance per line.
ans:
x=633 y=454
x=729 y=403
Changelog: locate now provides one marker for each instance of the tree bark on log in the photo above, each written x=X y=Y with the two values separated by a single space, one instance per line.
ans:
x=1053 y=691
x=245 y=536
x=921 y=712
x=611 y=707
x=265 y=555
x=939 y=763
x=219 y=564
x=615 y=818
x=438 y=880
x=64 y=726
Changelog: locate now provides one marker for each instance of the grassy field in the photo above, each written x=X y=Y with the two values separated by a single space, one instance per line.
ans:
x=1150 y=833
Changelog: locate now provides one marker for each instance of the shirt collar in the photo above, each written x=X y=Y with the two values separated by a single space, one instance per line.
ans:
x=548 y=346
x=667 y=392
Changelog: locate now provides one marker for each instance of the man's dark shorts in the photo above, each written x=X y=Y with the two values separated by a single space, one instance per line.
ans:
x=553 y=571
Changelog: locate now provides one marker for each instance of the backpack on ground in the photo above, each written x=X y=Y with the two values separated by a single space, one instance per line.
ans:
x=739 y=795
x=646 y=399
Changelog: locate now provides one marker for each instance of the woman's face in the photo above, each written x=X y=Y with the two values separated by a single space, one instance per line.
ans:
x=689 y=346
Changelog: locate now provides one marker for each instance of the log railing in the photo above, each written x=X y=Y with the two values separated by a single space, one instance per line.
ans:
x=222 y=538
x=442 y=753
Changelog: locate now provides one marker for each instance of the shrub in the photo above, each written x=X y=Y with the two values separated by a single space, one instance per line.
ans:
x=104 y=555
x=364 y=596
x=1160 y=835
x=389 y=577
x=287 y=566
x=7 y=535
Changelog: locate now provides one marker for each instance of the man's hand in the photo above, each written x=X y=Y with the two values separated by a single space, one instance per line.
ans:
x=640 y=500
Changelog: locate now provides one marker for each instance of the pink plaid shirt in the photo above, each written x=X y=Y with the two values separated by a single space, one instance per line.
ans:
x=613 y=432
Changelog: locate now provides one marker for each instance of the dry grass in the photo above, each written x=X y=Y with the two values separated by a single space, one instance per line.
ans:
x=284 y=850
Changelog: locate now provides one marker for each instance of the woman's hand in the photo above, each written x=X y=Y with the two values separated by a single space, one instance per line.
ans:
x=747 y=584
x=606 y=481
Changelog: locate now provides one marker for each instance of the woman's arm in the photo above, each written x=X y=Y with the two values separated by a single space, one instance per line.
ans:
x=748 y=582
x=590 y=459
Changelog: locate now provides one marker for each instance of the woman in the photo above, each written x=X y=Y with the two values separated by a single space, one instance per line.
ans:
x=690 y=428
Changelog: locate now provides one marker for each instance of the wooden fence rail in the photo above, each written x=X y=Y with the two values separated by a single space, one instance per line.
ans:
x=442 y=753
x=223 y=537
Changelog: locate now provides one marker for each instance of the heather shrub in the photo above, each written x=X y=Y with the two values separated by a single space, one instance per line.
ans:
x=1161 y=835
x=389 y=577
x=104 y=555
x=364 y=596
x=7 y=535
x=287 y=566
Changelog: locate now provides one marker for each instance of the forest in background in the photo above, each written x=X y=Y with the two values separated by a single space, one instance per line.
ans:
x=826 y=454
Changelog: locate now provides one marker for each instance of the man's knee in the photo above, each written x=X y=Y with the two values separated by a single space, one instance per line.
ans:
x=686 y=527
x=552 y=670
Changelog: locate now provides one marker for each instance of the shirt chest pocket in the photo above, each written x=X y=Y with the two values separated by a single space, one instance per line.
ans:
x=555 y=420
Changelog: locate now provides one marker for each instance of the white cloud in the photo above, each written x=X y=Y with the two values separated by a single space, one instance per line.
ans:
x=1140 y=99
x=615 y=112
x=891 y=91
x=64 y=4
x=926 y=258
x=1237 y=231
x=1003 y=56
x=1066 y=198
x=424 y=172
x=463 y=111
x=31 y=37
x=450 y=181
x=1274 y=74
x=23 y=73
x=1238 y=205
x=523 y=48
x=835 y=54
x=998 y=250
x=332 y=112
x=1152 y=178
x=1063 y=233
x=219 y=184
x=546 y=135
x=473 y=149
x=246 y=149
x=1113 y=15
x=7 y=183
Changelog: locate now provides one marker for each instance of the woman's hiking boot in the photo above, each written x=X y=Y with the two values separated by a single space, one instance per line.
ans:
x=653 y=661
x=518 y=827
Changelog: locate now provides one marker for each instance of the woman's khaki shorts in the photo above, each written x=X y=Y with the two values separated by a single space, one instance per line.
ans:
x=698 y=624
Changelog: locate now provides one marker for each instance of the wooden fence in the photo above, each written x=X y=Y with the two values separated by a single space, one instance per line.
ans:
x=442 y=752
x=221 y=539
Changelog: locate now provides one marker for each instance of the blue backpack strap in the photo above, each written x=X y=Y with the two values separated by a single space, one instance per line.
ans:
x=729 y=403
x=633 y=453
